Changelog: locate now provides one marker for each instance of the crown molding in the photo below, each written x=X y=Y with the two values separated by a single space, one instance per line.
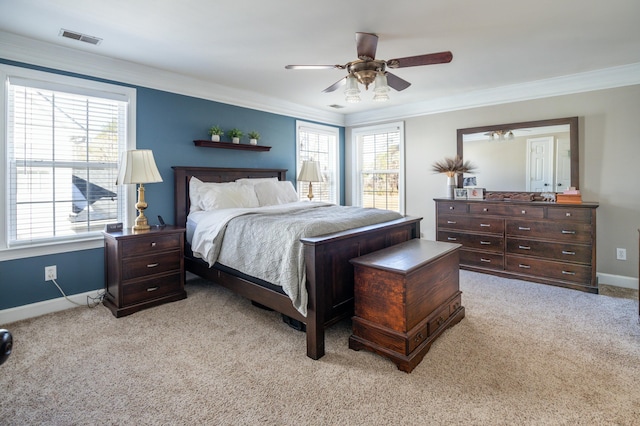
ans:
x=39 y=53
x=607 y=78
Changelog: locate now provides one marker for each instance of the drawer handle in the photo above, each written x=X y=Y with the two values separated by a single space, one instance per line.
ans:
x=568 y=232
x=567 y=214
x=419 y=337
x=524 y=212
x=451 y=222
x=485 y=209
x=451 y=207
x=572 y=253
x=485 y=243
x=522 y=228
x=482 y=259
x=524 y=266
x=153 y=244
x=152 y=265
x=568 y=273
x=524 y=247
x=440 y=321
x=152 y=289
x=486 y=225
x=452 y=239
x=456 y=305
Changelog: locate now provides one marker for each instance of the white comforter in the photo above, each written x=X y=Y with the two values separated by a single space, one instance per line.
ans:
x=265 y=242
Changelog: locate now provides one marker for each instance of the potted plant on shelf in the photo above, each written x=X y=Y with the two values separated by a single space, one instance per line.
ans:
x=216 y=132
x=452 y=167
x=235 y=135
x=253 y=137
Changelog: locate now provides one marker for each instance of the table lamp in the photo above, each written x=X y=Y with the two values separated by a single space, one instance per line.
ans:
x=310 y=172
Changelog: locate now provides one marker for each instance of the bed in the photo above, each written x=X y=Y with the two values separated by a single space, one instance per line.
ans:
x=329 y=275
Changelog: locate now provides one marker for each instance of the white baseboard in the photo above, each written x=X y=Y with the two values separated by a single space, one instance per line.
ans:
x=618 y=281
x=46 y=307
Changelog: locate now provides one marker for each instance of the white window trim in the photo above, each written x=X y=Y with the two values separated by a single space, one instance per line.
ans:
x=359 y=132
x=51 y=80
x=333 y=131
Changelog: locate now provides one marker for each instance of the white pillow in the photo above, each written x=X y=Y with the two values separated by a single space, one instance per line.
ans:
x=278 y=192
x=227 y=195
x=194 y=198
x=253 y=181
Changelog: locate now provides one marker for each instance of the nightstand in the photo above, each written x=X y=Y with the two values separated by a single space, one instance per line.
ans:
x=143 y=268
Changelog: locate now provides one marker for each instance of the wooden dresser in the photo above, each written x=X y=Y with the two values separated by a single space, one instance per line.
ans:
x=405 y=296
x=548 y=243
x=143 y=269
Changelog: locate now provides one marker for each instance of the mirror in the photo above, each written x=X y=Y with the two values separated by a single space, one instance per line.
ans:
x=533 y=156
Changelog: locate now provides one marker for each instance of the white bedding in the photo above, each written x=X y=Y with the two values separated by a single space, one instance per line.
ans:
x=265 y=242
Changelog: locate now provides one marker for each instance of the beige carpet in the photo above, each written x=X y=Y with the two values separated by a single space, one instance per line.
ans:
x=526 y=354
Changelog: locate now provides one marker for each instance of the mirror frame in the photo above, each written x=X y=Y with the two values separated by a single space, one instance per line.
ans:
x=573 y=140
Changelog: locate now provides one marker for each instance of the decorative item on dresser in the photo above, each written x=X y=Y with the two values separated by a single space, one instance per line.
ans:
x=405 y=297
x=143 y=269
x=535 y=241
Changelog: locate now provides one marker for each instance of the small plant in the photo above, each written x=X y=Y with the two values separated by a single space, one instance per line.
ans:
x=216 y=130
x=253 y=135
x=234 y=133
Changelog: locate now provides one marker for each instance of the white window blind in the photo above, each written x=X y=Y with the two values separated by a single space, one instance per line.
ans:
x=319 y=143
x=380 y=164
x=63 y=152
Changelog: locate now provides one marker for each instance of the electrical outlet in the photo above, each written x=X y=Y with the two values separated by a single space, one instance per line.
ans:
x=621 y=254
x=50 y=273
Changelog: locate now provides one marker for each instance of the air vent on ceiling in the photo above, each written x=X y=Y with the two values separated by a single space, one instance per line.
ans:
x=336 y=106
x=80 y=37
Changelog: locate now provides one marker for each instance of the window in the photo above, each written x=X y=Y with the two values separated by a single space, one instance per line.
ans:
x=379 y=171
x=319 y=143
x=63 y=143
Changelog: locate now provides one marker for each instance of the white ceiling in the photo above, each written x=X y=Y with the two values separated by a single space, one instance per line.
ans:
x=244 y=45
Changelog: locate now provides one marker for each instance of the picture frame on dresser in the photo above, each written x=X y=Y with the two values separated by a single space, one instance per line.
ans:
x=460 y=193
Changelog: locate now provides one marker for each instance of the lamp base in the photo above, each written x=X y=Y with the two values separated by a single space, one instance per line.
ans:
x=141 y=223
x=310 y=194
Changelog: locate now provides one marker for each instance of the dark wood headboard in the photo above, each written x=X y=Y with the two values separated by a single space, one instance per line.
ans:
x=182 y=175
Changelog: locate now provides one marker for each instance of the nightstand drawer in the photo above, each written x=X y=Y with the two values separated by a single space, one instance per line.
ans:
x=143 y=266
x=144 y=291
x=150 y=244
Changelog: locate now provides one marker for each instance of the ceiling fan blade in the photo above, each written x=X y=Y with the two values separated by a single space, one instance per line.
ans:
x=366 y=45
x=335 y=85
x=313 y=67
x=413 y=61
x=396 y=82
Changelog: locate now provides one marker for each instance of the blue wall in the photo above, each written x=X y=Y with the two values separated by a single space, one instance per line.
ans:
x=168 y=124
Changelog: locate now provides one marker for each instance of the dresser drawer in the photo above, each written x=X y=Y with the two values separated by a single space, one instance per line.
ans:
x=545 y=268
x=481 y=242
x=472 y=223
x=151 y=244
x=569 y=213
x=142 y=266
x=535 y=212
x=438 y=320
x=482 y=260
x=555 y=251
x=450 y=207
x=144 y=291
x=573 y=232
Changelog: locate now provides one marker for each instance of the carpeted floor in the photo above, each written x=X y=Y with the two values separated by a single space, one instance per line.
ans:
x=525 y=354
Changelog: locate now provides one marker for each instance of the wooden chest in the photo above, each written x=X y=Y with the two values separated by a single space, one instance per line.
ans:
x=405 y=297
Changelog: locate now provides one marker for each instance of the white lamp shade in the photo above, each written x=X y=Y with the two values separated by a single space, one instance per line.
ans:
x=138 y=166
x=310 y=172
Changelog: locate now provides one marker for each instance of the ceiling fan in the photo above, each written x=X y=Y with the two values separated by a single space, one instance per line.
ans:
x=367 y=69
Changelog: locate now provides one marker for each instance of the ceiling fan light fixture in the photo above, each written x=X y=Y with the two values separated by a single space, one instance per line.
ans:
x=352 y=92
x=381 y=88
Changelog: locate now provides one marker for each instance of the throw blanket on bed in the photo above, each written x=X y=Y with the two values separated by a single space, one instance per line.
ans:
x=265 y=242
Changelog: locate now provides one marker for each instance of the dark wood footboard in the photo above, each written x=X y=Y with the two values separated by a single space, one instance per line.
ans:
x=329 y=272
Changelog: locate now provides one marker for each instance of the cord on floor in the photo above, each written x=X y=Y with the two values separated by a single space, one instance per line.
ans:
x=92 y=302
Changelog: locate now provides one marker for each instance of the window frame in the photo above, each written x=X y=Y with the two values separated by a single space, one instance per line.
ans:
x=70 y=84
x=334 y=162
x=356 y=138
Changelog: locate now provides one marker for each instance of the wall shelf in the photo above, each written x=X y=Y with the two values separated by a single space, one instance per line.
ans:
x=229 y=145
